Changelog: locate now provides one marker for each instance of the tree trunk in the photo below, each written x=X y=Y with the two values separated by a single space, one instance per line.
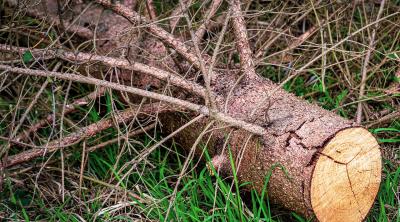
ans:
x=321 y=163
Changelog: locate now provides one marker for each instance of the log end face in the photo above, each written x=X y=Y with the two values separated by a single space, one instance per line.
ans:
x=346 y=177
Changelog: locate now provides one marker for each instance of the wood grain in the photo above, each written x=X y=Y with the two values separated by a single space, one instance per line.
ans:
x=346 y=177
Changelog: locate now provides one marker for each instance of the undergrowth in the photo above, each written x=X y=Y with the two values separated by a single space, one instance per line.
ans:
x=111 y=187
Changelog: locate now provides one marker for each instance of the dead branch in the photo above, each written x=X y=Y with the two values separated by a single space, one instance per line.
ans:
x=243 y=47
x=384 y=119
x=163 y=35
x=78 y=136
x=176 y=14
x=365 y=65
x=81 y=57
x=73 y=28
x=69 y=109
x=300 y=39
x=267 y=44
x=304 y=67
x=113 y=187
x=255 y=129
x=203 y=27
x=151 y=10
x=242 y=44
x=210 y=100
x=33 y=102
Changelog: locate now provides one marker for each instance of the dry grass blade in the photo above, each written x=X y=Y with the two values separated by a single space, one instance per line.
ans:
x=130 y=134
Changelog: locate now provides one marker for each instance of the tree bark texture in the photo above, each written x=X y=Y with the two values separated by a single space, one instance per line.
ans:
x=297 y=135
x=302 y=143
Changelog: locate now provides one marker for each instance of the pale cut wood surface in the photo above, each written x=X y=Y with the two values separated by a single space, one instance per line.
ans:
x=346 y=177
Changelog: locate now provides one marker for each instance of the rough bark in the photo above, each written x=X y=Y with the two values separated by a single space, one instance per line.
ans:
x=297 y=133
x=298 y=137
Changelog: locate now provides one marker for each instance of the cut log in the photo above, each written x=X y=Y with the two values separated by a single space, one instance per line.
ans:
x=346 y=176
x=321 y=164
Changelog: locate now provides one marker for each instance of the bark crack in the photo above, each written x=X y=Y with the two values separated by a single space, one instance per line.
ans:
x=354 y=194
x=313 y=158
x=331 y=158
x=348 y=177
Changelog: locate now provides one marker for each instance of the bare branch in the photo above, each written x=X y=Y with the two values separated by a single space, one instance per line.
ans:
x=151 y=10
x=76 y=137
x=73 y=28
x=210 y=101
x=33 y=102
x=131 y=134
x=387 y=118
x=163 y=35
x=267 y=44
x=113 y=62
x=210 y=13
x=258 y=130
x=176 y=14
x=242 y=44
x=69 y=109
x=365 y=65
x=325 y=52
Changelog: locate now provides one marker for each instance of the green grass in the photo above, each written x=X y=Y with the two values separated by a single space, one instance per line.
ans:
x=200 y=196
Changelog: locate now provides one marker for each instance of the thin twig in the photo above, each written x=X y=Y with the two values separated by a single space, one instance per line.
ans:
x=203 y=27
x=147 y=152
x=176 y=14
x=83 y=155
x=151 y=10
x=69 y=108
x=387 y=118
x=365 y=64
x=210 y=101
x=304 y=67
x=73 y=28
x=143 y=155
x=166 y=37
x=33 y=102
x=185 y=166
x=75 y=137
x=267 y=44
x=116 y=187
x=131 y=134
x=154 y=29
